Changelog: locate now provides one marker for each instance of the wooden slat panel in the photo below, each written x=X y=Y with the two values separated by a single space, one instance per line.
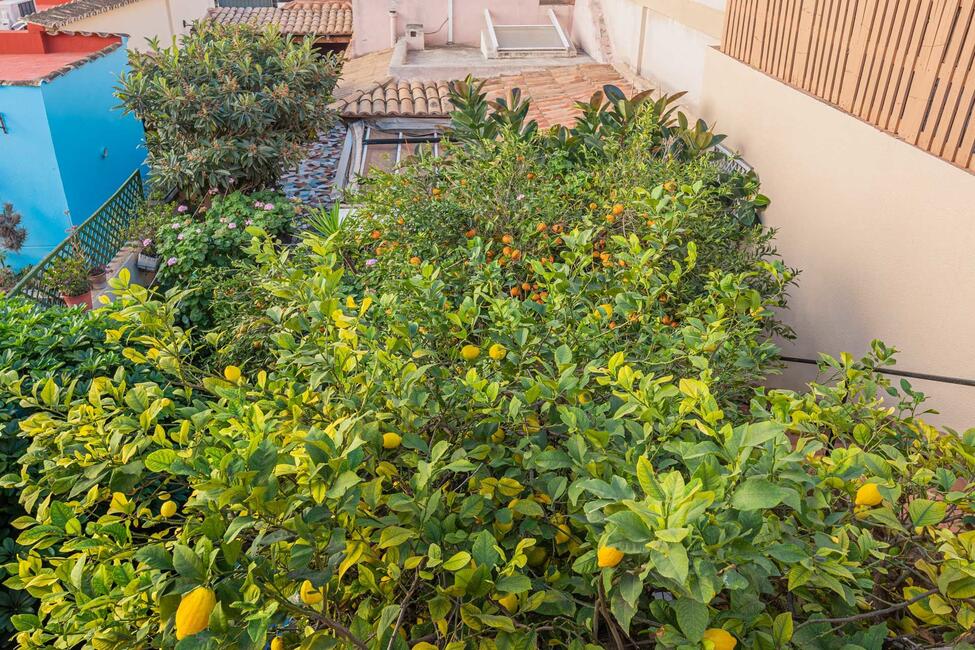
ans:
x=938 y=114
x=906 y=66
x=925 y=75
x=954 y=89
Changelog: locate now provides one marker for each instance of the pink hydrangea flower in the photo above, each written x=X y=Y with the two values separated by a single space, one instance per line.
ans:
x=371 y=261
x=248 y=222
x=182 y=209
x=174 y=226
x=147 y=242
x=258 y=204
x=170 y=261
x=180 y=237
x=268 y=206
x=231 y=225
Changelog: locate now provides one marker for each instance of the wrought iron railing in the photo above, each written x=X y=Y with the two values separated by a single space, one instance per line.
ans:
x=98 y=239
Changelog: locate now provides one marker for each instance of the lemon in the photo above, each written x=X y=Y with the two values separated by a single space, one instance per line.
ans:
x=561 y=534
x=168 y=509
x=392 y=440
x=721 y=639
x=605 y=309
x=509 y=602
x=231 y=373
x=470 y=352
x=497 y=352
x=608 y=557
x=310 y=595
x=277 y=643
x=193 y=613
x=868 y=495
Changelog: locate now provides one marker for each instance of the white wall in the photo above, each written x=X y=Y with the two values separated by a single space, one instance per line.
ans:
x=145 y=19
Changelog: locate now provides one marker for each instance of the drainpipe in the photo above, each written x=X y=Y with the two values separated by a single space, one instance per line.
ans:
x=392 y=27
x=450 y=22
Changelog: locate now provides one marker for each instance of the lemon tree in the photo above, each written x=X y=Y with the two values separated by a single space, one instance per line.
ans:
x=424 y=457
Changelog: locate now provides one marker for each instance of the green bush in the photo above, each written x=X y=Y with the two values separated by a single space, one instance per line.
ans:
x=36 y=344
x=427 y=459
x=228 y=108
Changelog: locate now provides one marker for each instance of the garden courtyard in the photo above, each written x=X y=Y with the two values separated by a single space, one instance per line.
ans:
x=514 y=399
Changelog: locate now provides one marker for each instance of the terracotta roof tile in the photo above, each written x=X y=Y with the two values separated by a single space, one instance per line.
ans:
x=366 y=91
x=64 y=14
x=305 y=19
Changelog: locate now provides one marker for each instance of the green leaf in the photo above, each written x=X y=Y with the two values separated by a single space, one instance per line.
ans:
x=483 y=549
x=161 y=460
x=458 y=561
x=692 y=618
x=782 y=628
x=925 y=512
x=515 y=584
x=187 y=564
x=394 y=536
x=758 y=493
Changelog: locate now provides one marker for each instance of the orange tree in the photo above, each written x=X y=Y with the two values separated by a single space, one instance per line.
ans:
x=424 y=458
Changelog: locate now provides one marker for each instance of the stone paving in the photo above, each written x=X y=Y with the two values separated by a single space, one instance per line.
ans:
x=312 y=180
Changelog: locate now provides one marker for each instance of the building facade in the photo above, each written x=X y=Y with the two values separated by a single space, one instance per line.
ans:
x=65 y=147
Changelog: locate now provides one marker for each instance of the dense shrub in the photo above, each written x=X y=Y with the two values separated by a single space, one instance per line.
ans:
x=229 y=107
x=196 y=248
x=429 y=459
x=36 y=344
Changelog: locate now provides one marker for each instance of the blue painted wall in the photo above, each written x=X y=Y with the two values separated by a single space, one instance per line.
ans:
x=97 y=147
x=29 y=175
x=68 y=150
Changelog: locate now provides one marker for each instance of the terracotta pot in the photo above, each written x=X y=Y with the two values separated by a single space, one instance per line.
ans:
x=84 y=300
x=98 y=279
x=147 y=262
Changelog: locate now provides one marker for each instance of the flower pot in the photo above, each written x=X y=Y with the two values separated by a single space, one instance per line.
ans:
x=84 y=300
x=98 y=278
x=147 y=262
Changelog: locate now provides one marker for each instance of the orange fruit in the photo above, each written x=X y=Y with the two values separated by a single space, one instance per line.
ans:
x=415 y=261
x=618 y=209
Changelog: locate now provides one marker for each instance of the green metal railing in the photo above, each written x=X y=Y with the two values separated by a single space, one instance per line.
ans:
x=98 y=239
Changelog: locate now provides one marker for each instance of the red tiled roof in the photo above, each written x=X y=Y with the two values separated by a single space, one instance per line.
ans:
x=554 y=91
x=302 y=19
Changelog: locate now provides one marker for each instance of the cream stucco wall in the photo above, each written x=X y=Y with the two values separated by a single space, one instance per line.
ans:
x=883 y=232
x=371 y=20
x=145 y=19
x=661 y=41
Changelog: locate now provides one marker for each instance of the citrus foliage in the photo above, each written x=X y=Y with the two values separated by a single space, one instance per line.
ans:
x=428 y=459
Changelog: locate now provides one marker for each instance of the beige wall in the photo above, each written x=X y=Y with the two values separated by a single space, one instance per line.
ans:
x=371 y=20
x=660 y=41
x=145 y=19
x=884 y=233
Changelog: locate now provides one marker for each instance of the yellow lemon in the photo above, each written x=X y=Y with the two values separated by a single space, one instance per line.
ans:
x=277 y=643
x=497 y=352
x=168 y=509
x=193 y=613
x=561 y=534
x=392 y=440
x=470 y=352
x=721 y=639
x=608 y=557
x=868 y=495
x=509 y=602
x=310 y=595
x=231 y=373
x=605 y=309
x=584 y=398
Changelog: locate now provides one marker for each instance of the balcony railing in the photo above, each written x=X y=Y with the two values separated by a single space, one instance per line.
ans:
x=905 y=66
x=98 y=239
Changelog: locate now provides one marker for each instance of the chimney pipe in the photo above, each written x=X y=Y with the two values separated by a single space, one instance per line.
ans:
x=392 y=28
x=450 y=22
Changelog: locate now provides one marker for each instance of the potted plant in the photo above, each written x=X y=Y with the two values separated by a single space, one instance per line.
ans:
x=69 y=277
x=97 y=277
x=148 y=260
